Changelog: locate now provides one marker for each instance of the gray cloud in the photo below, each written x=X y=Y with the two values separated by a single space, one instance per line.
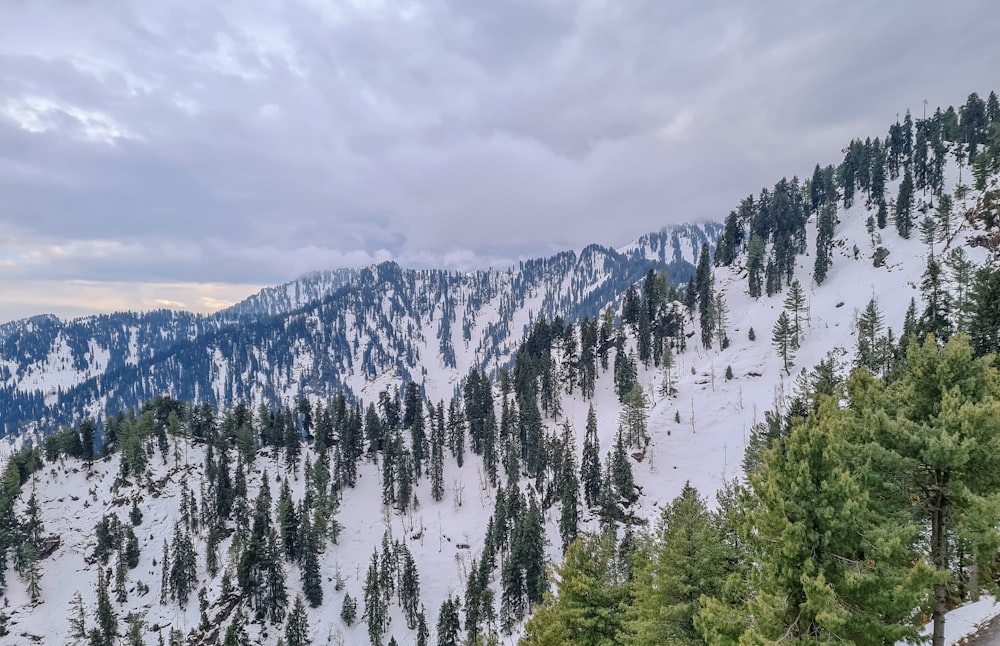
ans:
x=247 y=142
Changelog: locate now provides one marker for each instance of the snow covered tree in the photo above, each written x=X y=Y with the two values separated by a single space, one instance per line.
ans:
x=621 y=470
x=183 y=566
x=409 y=587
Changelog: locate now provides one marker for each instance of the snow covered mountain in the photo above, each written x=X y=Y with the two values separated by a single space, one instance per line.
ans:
x=350 y=330
x=367 y=333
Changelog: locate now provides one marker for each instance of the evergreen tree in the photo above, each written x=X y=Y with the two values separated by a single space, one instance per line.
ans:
x=586 y=609
x=621 y=471
x=632 y=421
x=77 y=617
x=312 y=580
x=183 y=567
x=376 y=609
x=795 y=304
x=297 y=628
x=423 y=633
x=783 y=338
x=904 y=205
x=939 y=417
x=984 y=323
x=869 y=326
x=829 y=541
x=825 y=224
x=409 y=588
x=436 y=469
x=236 y=634
x=569 y=495
x=275 y=600
x=590 y=466
x=935 y=319
x=449 y=626
x=349 y=609
x=107 y=620
x=683 y=560
x=703 y=284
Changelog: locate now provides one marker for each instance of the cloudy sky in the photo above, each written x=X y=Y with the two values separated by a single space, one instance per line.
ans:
x=183 y=154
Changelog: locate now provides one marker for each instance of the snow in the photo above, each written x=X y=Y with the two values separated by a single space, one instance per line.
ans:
x=705 y=447
x=966 y=620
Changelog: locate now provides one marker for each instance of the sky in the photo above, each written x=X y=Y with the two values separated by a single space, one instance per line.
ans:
x=186 y=153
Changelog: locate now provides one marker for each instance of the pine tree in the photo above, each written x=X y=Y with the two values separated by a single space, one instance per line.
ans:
x=829 y=541
x=288 y=522
x=569 y=495
x=183 y=567
x=795 y=305
x=984 y=323
x=275 y=595
x=703 y=285
x=590 y=466
x=376 y=610
x=904 y=205
x=77 y=617
x=869 y=327
x=165 y=574
x=586 y=608
x=436 y=469
x=755 y=265
x=943 y=406
x=782 y=338
x=409 y=588
x=312 y=581
x=349 y=609
x=720 y=318
x=621 y=471
x=935 y=319
x=136 y=627
x=683 y=560
x=448 y=625
x=825 y=224
x=236 y=634
x=297 y=628
x=107 y=620
x=632 y=420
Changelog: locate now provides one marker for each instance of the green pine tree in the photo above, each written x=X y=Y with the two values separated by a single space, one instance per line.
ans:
x=682 y=560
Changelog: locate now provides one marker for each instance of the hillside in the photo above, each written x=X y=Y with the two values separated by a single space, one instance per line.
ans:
x=455 y=470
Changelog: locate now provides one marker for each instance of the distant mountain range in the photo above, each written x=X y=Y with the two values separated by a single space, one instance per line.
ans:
x=347 y=330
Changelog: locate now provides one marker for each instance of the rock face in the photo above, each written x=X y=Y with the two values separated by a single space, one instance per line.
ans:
x=878 y=258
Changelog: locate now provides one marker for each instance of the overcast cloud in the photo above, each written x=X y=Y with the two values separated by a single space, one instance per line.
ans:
x=182 y=153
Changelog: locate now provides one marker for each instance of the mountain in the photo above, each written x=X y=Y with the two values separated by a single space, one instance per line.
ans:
x=351 y=330
x=450 y=492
